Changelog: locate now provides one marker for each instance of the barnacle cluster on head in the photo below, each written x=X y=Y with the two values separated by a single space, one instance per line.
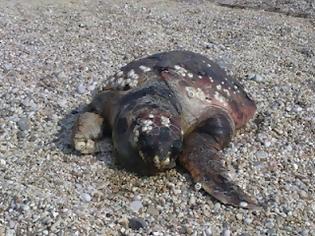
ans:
x=158 y=138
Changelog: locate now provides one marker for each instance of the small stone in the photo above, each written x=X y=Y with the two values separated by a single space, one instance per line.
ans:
x=12 y=224
x=261 y=155
x=298 y=109
x=81 y=89
x=91 y=87
x=207 y=232
x=255 y=77
x=10 y=232
x=243 y=204
x=153 y=211
x=136 y=206
x=248 y=220
x=45 y=232
x=198 y=186
x=124 y=222
x=226 y=232
x=189 y=229
x=239 y=216
x=289 y=148
x=192 y=200
x=23 y=124
x=267 y=143
x=303 y=194
x=8 y=66
x=3 y=163
x=25 y=207
x=86 y=197
x=217 y=206
x=136 y=223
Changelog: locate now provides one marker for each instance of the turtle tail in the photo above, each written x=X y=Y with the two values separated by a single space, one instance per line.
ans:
x=202 y=160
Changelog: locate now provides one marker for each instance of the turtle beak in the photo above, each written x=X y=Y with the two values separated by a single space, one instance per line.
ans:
x=163 y=162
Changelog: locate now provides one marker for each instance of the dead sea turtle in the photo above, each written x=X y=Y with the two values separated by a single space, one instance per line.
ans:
x=170 y=107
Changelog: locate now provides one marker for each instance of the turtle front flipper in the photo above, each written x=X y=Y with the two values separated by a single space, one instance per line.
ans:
x=201 y=158
x=87 y=133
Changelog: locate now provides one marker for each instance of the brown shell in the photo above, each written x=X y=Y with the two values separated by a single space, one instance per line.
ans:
x=200 y=85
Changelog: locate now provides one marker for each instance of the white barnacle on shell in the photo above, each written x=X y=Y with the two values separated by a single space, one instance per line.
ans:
x=220 y=98
x=195 y=93
x=180 y=70
x=190 y=91
x=146 y=125
x=200 y=94
x=151 y=116
x=218 y=87
x=208 y=65
x=190 y=75
x=165 y=121
x=211 y=79
x=227 y=92
x=199 y=76
x=132 y=74
x=145 y=68
x=136 y=135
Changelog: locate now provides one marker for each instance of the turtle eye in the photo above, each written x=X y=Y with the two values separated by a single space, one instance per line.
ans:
x=176 y=146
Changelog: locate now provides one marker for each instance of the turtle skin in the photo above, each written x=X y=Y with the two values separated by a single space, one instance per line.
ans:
x=167 y=108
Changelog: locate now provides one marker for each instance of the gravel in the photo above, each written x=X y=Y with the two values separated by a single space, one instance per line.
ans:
x=55 y=53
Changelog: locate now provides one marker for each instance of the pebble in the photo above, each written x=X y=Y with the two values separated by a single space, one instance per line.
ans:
x=86 y=197
x=248 y=220
x=189 y=230
x=295 y=166
x=23 y=124
x=153 y=211
x=8 y=66
x=91 y=87
x=137 y=223
x=255 y=77
x=124 y=222
x=267 y=143
x=226 y=232
x=192 y=200
x=207 y=232
x=3 y=163
x=136 y=205
x=198 y=186
x=261 y=155
x=303 y=194
x=81 y=89
x=239 y=216
x=217 y=206
x=10 y=232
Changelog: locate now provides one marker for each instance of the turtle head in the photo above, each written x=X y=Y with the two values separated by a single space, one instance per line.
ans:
x=158 y=140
